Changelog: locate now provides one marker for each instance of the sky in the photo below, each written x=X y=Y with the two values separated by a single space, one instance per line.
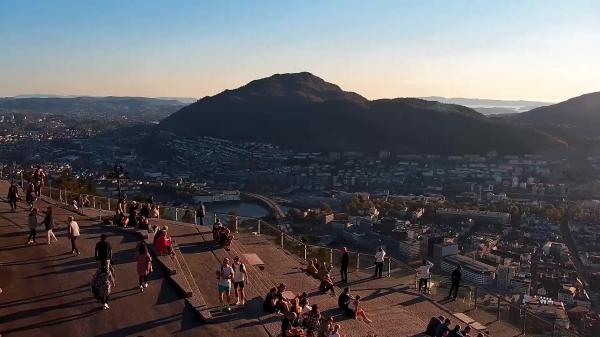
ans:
x=509 y=49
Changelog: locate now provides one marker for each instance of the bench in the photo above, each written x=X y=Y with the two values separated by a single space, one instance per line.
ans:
x=253 y=260
x=469 y=321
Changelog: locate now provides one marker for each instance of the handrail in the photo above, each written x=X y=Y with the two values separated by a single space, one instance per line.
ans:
x=390 y=259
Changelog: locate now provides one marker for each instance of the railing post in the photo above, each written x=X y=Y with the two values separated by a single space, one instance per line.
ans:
x=331 y=257
x=475 y=301
x=357 y=261
x=100 y=215
x=305 y=253
x=389 y=267
x=176 y=214
x=281 y=240
x=94 y=201
x=66 y=198
x=258 y=226
x=236 y=223
x=524 y=320
x=59 y=195
x=108 y=201
x=195 y=217
x=22 y=183
x=497 y=310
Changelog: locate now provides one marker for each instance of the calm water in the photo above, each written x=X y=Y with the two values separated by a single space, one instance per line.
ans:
x=239 y=207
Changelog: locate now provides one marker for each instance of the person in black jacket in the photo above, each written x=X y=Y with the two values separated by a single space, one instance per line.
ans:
x=13 y=196
x=344 y=266
x=201 y=213
x=103 y=252
x=48 y=222
x=456 y=277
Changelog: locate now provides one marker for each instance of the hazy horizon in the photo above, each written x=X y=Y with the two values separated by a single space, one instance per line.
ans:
x=512 y=50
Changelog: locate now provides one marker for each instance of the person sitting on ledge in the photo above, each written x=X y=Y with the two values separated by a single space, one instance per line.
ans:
x=225 y=237
x=163 y=243
x=270 y=301
x=327 y=285
x=434 y=322
x=311 y=270
x=344 y=300
x=282 y=304
x=357 y=310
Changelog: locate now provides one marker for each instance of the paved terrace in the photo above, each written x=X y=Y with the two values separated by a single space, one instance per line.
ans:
x=46 y=290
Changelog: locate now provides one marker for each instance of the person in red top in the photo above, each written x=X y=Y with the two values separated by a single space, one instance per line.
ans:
x=163 y=242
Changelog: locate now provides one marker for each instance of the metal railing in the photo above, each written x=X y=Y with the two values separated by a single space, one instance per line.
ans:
x=475 y=301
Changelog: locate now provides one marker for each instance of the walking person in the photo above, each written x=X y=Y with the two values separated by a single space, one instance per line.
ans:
x=424 y=273
x=224 y=276
x=201 y=213
x=73 y=234
x=239 y=280
x=455 y=278
x=13 y=196
x=33 y=224
x=144 y=265
x=48 y=222
x=38 y=178
x=379 y=258
x=344 y=265
x=102 y=284
x=30 y=196
x=103 y=252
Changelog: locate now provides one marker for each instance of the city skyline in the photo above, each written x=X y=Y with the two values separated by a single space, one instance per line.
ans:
x=537 y=50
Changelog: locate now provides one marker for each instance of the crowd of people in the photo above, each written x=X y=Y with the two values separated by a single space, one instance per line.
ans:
x=442 y=327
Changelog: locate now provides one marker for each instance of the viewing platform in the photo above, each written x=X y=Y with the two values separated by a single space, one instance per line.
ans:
x=46 y=289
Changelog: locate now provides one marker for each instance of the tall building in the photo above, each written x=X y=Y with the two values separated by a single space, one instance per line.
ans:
x=472 y=271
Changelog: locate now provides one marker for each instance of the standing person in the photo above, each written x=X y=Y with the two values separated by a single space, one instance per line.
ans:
x=344 y=265
x=379 y=258
x=38 y=177
x=30 y=195
x=224 y=276
x=13 y=196
x=48 y=222
x=102 y=284
x=239 y=280
x=216 y=229
x=33 y=223
x=144 y=265
x=73 y=234
x=424 y=274
x=103 y=252
x=456 y=277
x=201 y=213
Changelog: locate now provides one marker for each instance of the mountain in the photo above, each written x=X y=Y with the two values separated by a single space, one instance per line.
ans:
x=91 y=107
x=491 y=106
x=304 y=112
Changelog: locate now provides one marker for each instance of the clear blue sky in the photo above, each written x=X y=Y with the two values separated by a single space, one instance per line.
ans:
x=495 y=49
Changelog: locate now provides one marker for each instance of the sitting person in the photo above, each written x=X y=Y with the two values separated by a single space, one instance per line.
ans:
x=163 y=243
x=326 y=327
x=270 y=301
x=313 y=320
x=335 y=332
x=434 y=322
x=357 y=310
x=217 y=226
x=282 y=304
x=287 y=326
x=225 y=237
x=119 y=218
x=455 y=332
x=327 y=285
x=155 y=211
x=310 y=269
x=323 y=271
x=344 y=299
x=144 y=224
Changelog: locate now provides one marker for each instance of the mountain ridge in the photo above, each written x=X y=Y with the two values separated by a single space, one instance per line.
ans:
x=302 y=111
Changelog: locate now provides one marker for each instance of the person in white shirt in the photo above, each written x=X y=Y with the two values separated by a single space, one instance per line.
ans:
x=424 y=274
x=379 y=258
x=239 y=280
x=73 y=234
x=224 y=276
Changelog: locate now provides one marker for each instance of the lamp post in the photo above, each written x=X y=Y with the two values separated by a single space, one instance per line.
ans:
x=119 y=174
